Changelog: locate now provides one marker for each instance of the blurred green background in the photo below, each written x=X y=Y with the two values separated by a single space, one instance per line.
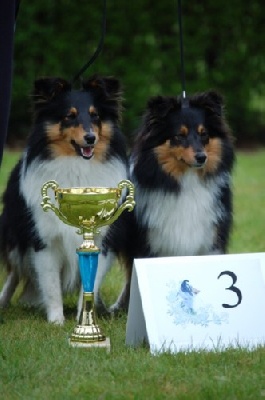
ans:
x=223 y=48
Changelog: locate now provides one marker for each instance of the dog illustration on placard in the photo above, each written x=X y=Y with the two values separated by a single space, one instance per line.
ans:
x=187 y=294
x=186 y=307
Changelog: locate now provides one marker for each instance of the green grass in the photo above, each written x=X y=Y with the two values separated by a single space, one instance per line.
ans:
x=249 y=203
x=37 y=363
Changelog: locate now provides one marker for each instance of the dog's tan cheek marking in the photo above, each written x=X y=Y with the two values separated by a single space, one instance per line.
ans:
x=96 y=131
x=75 y=133
x=188 y=155
x=214 y=154
x=104 y=137
x=170 y=158
x=53 y=131
x=59 y=140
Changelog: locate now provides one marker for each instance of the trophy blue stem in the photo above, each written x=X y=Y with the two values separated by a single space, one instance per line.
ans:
x=88 y=264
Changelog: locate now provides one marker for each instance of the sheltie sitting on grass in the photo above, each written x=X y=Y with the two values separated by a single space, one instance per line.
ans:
x=181 y=167
x=76 y=141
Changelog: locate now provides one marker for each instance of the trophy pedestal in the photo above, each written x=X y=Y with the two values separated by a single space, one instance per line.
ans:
x=87 y=333
x=104 y=345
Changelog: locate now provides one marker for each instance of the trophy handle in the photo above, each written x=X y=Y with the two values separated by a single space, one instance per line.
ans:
x=129 y=201
x=128 y=204
x=46 y=201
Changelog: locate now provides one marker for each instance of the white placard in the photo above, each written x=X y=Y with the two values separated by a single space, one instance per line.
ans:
x=192 y=303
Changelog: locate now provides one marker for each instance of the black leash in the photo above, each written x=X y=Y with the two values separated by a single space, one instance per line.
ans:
x=17 y=8
x=100 y=43
x=183 y=82
x=99 y=47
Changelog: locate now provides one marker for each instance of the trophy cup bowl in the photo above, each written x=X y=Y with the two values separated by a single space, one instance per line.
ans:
x=88 y=209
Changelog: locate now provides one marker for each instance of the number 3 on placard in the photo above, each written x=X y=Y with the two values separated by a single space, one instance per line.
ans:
x=232 y=288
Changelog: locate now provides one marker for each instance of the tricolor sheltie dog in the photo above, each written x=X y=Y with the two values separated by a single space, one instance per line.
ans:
x=181 y=167
x=76 y=141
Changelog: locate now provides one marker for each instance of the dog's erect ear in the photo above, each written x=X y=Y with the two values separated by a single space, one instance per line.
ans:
x=106 y=90
x=108 y=86
x=46 y=89
x=155 y=119
x=160 y=106
x=214 y=102
x=211 y=101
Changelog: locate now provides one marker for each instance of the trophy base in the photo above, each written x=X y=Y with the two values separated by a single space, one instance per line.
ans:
x=87 y=333
x=104 y=344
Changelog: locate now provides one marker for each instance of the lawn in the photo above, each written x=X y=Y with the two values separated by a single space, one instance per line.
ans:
x=37 y=363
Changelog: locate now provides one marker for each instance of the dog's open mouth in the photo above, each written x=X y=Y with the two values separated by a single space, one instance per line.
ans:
x=86 y=152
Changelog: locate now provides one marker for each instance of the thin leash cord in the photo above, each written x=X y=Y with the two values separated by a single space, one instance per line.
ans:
x=17 y=8
x=17 y=5
x=181 y=51
x=99 y=47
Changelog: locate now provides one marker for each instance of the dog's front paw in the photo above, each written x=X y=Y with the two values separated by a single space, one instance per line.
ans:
x=56 y=317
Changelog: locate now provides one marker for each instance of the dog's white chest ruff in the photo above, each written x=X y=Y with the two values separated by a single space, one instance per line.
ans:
x=180 y=224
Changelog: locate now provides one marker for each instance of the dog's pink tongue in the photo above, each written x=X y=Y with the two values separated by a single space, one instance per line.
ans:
x=87 y=151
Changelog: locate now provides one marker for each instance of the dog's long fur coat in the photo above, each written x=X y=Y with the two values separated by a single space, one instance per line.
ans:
x=76 y=141
x=181 y=166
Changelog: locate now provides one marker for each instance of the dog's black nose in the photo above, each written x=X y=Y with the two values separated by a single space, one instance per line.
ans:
x=200 y=157
x=90 y=138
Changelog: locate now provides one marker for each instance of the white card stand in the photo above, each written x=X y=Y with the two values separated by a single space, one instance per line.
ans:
x=198 y=303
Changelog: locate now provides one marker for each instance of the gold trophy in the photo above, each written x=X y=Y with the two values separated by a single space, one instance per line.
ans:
x=88 y=209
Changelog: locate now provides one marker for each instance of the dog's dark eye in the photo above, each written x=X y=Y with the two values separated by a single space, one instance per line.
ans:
x=70 y=116
x=183 y=131
x=178 y=139
x=94 y=115
x=204 y=136
x=180 y=136
x=202 y=132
